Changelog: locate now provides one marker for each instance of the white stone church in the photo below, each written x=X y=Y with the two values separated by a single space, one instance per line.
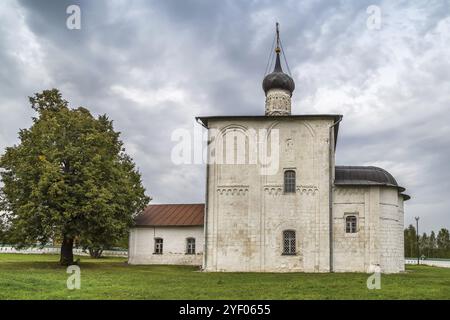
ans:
x=297 y=212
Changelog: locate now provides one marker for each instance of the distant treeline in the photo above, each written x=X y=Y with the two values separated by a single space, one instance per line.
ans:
x=430 y=246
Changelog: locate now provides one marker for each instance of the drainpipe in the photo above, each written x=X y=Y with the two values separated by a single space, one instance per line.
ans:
x=330 y=195
x=205 y=219
x=205 y=216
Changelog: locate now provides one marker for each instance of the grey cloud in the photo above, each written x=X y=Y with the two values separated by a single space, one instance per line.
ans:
x=212 y=55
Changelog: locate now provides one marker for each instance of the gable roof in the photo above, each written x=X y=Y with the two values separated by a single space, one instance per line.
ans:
x=171 y=215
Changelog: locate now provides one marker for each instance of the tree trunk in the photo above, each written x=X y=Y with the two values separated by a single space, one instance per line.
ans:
x=66 y=258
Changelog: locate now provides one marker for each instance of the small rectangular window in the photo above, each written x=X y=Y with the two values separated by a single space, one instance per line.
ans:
x=289 y=242
x=351 y=224
x=289 y=181
x=190 y=246
x=158 y=246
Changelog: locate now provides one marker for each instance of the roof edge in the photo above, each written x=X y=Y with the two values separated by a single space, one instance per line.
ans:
x=175 y=204
x=204 y=119
x=167 y=225
x=368 y=184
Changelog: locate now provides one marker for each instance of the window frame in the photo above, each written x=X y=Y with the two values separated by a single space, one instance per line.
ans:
x=190 y=248
x=159 y=246
x=289 y=249
x=289 y=183
x=348 y=226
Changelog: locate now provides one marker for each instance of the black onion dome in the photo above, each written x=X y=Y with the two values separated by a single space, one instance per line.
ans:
x=278 y=79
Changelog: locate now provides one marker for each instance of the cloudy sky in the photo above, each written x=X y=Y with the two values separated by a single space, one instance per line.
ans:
x=152 y=66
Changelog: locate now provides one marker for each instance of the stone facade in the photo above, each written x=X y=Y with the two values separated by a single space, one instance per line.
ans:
x=244 y=229
x=142 y=245
x=379 y=237
x=247 y=209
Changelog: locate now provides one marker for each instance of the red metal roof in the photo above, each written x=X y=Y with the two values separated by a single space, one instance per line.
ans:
x=171 y=215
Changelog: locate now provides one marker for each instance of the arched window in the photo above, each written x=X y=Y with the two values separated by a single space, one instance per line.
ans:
x=351 y=224
x=289 y=181
x=158 y=245
x=289 y=242
x=190 y=246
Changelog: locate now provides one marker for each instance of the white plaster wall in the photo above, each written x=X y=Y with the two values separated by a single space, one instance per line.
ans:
x=433 y=263
x=392 y=257
x=247 y=211
x=141 y=245
x=379 y=240
x=57 y=250
x=349 y=250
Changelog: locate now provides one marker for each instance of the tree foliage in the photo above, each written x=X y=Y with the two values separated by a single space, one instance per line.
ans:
x=431 y=246
x=69 y=179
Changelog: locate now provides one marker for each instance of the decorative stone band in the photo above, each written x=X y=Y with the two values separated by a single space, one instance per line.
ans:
x=346 y=191
x=234 y=190
x=308 y=190
x=389 y=219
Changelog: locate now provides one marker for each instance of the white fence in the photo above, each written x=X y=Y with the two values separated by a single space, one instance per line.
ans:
x=54 y=250
x=443 y=263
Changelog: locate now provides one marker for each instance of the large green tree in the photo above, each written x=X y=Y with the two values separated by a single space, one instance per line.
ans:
x=68 y=179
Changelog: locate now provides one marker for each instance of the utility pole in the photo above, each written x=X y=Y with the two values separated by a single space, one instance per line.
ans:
x=417 y=240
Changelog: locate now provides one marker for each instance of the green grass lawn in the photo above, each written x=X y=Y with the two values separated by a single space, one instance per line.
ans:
x=40 y=277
